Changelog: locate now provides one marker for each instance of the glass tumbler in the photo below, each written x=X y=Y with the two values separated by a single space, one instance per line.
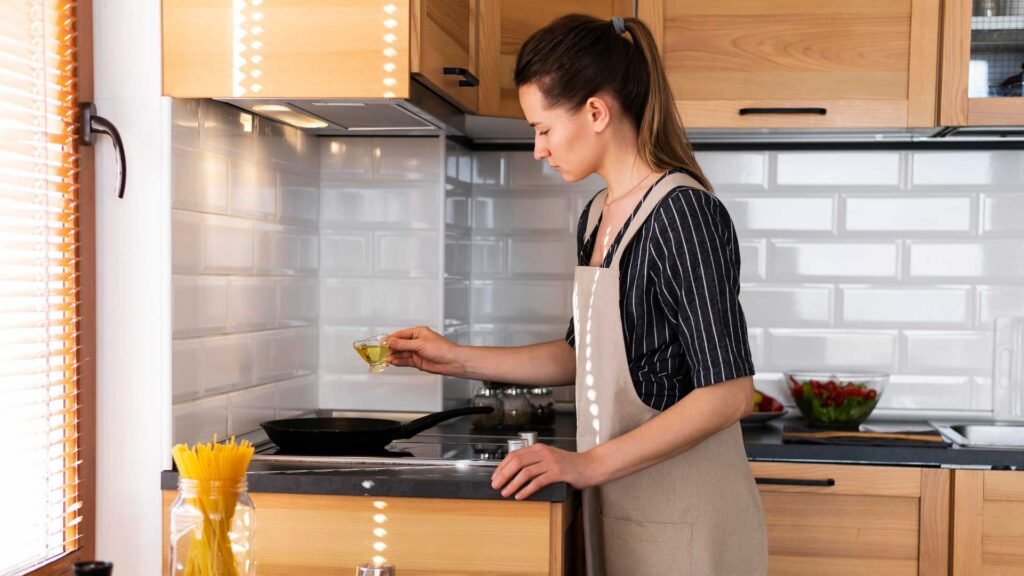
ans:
x=374 y=350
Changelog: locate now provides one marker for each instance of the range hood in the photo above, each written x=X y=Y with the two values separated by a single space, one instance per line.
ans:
x=426 y=113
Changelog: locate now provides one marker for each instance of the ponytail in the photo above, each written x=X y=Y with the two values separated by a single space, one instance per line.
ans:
x=577 y=56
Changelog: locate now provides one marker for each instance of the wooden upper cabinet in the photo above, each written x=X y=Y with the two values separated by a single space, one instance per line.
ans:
x=980 y=52
x=317 y=48
x=505 y=25
x=444 y=52
x=799 y=63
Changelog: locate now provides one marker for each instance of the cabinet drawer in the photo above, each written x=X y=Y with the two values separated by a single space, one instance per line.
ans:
x=837 y=479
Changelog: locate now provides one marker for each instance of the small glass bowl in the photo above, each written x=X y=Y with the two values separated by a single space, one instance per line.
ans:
x=374 y=350
x=835 y=399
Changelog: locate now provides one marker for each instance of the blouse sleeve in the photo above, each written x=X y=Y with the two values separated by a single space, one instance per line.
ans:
x=695 y=264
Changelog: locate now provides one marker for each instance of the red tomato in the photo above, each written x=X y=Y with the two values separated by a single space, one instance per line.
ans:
x=872 y=394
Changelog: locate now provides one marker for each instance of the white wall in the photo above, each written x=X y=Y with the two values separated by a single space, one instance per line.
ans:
x=133 y=364
x=245 y=197
x=884 y=260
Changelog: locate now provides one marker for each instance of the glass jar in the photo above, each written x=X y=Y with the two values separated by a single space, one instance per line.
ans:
x=212 y=529
x=542 y=405
x=517 y=408
x=487 y=397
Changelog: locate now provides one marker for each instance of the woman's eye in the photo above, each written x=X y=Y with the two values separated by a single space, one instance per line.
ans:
x=544 y=133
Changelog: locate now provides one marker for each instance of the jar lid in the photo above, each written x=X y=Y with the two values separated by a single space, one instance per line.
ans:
x=486 y=392
x=539 y=391
x=514 y=391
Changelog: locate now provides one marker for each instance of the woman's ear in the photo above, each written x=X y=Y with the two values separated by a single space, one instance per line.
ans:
x=598 y=113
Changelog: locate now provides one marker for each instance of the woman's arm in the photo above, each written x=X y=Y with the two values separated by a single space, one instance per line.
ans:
x=546 y=364
x=689 y=422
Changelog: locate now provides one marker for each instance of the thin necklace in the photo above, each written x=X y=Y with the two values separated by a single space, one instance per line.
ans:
x=630 y=191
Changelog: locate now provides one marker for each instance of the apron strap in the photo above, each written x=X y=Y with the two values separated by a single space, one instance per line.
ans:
x=594 y=216
x=667 y=184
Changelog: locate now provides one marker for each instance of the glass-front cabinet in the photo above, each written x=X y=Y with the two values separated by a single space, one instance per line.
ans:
x=982 y=63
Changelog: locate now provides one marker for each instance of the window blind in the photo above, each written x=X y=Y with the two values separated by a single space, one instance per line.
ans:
x=39 y=499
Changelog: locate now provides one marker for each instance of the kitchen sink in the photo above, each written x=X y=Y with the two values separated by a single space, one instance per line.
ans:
x=985 y=435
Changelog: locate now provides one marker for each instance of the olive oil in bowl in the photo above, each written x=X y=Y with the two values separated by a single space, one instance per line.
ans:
x=374 y=350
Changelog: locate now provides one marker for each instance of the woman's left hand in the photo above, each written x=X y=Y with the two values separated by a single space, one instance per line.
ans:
x=527 y=470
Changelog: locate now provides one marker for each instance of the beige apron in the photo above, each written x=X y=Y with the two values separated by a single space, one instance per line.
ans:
x=698 y=513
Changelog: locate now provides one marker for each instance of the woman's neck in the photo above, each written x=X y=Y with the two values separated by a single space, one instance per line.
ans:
x=625 y=173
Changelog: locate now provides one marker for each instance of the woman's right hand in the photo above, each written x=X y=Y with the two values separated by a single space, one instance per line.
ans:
x=422 y=348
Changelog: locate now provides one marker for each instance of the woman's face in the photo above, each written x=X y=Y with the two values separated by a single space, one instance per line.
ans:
x=569 y=140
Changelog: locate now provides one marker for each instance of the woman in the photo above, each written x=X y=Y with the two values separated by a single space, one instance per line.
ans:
x=661 y=362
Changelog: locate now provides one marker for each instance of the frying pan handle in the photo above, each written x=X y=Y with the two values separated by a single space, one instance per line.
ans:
x=410 y=429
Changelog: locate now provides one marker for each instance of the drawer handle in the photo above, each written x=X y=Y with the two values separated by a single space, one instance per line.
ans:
x=468 y=79
x=817 y=111
x=795 y=481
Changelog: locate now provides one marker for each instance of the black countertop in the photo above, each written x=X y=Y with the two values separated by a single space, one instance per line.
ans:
x=763 y=443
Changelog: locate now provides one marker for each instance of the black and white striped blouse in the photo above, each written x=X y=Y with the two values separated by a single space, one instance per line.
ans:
x=679 y=297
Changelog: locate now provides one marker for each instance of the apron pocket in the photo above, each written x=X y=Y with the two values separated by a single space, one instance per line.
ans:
x=648 y=548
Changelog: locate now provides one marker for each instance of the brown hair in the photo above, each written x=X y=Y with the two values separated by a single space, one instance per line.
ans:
x=577 y=56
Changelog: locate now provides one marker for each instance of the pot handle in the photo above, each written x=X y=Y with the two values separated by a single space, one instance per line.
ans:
x=410 y=429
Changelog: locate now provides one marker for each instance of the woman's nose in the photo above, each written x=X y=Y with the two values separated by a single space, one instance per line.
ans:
x=539 y=151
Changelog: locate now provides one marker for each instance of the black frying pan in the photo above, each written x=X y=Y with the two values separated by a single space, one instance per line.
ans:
x=345 y=436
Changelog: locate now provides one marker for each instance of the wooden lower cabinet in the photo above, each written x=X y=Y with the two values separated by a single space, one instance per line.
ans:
x=845 y=520
x=988 y=523
x=317 y=535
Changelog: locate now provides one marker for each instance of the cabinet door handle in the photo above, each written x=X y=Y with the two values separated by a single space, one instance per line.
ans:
x=816 y=111
x=795 y=481
x=468 y=79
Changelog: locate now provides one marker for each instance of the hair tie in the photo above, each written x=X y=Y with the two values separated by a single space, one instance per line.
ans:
x=619 y=24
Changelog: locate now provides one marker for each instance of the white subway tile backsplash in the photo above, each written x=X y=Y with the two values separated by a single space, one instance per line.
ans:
x=1002 y=214
x=550 y=256
x=201 y=420
x=734 y=170
x=996 y=301
x=345 y=254
x=277 y=252
x=909 y=214
x=227 y=363
x=279 y=144
x=336 y=353
x=228 y=246
x=509 y=300
x=253 y=190
x=781 y=306
x=297 y=301
x=518 y=211
x=185 y=122
x=375 y=205
x=995 y=259
x=792 y=214
x=926 y=392
x=811 y=260
x=186 y=242
x=226 y=130
x=983 y=167
x=752 y=259
x=905 y=305
x=457 y=211
x=408 y=254
x=418 y=393
x=186 y=370
x=407 y=159
x=295 y=397
x=790 y=349
x=344 y=159
x=756 y=337
x=275 y=355
x=458 y=256
x=200 y=305
x=247 y=408
x=199 y=181
x=947 y=353
x=456 y=303
x=490 y=169
x=252 y=303
x=309 y=254
x=368 y=301
x=490 y=256
x=838 y=168
x=300 y=198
